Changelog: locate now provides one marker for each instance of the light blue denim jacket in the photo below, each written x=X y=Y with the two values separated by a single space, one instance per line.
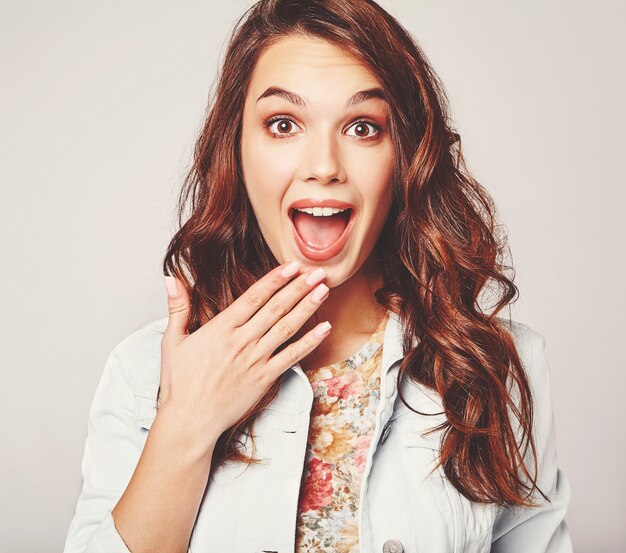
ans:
x=254 y=510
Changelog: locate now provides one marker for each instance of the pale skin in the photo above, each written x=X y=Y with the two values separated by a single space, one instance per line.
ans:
x=322 y=156
x=212 y=377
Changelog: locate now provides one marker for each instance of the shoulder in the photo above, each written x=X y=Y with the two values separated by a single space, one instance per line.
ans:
x=531 y=348
x=528 y=341
x=139 y=357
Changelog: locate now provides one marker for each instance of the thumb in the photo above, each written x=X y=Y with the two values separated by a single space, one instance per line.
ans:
x=178 y=308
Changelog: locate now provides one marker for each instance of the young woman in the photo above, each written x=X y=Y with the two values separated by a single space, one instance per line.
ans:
x=328 y=187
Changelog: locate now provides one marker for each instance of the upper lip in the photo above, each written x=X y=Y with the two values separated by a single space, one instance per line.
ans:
x=314 y=202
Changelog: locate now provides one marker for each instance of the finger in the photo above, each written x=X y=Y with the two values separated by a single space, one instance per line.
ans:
x=286 y=327
x=178 y=306
x=280 y=304
x=255 y=297
x=291 y=354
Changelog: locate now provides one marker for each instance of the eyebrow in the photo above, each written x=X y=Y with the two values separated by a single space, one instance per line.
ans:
x=356 y=98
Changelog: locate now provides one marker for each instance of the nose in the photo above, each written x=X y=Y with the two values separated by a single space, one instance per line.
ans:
x=323 y=159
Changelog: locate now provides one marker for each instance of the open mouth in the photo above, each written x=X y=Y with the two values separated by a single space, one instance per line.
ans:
x=321 y=236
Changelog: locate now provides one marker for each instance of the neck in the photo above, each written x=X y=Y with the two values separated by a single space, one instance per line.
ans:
x=354 y=314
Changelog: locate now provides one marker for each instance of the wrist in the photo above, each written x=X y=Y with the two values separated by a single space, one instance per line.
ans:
x=185 y=430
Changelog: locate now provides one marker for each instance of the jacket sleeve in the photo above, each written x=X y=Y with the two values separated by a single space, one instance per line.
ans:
x=539 y=529
x=110 y=456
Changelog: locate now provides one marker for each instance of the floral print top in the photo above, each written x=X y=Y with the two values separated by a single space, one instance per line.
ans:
x=346 y=396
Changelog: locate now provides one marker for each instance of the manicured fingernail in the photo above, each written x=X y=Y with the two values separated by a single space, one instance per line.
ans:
x=316 y=276
x=322 y=328
x=171 y=286
x=319 y=293
x=290 y=269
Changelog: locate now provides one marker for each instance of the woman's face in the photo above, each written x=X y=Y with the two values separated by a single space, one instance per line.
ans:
x=305 y=143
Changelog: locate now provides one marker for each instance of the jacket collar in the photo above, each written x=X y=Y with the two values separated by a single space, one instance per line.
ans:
x=392 y=345
x=296 y=393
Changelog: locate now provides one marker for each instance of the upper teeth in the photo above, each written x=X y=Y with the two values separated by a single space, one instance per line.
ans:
x=320 y=211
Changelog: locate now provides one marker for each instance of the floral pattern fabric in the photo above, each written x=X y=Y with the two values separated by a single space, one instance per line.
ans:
x=346 y=396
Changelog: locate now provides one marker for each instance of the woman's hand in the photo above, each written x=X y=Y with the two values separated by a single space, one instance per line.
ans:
x=216 y=375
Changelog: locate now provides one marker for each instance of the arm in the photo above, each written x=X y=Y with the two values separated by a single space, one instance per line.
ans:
x=134 y=500
x=540 y=529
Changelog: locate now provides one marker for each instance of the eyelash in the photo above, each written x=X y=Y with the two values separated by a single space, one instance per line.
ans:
x=275 y=118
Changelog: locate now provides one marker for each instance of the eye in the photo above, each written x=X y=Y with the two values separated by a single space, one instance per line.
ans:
x=284 y=126
x=361 y=127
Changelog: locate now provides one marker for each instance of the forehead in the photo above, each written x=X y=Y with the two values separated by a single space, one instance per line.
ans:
x=313 y=66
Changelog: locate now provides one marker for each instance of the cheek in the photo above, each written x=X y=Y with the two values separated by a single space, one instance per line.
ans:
x=265 y=179
x=375 y=183
x=258 y=149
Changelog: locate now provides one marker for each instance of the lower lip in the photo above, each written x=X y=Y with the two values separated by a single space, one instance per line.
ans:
x=331 y=251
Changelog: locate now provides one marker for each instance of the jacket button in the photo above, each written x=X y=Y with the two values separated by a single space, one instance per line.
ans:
x=392 y=546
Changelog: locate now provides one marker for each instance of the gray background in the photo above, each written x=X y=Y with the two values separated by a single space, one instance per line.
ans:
x=100 y=104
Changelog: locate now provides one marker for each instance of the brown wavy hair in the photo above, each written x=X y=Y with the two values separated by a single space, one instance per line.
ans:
x=439 y=250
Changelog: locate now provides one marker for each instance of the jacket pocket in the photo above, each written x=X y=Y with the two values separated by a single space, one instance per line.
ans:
x=145 y=412
x=422 y=455
x=434 y=515
x=469 y=523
